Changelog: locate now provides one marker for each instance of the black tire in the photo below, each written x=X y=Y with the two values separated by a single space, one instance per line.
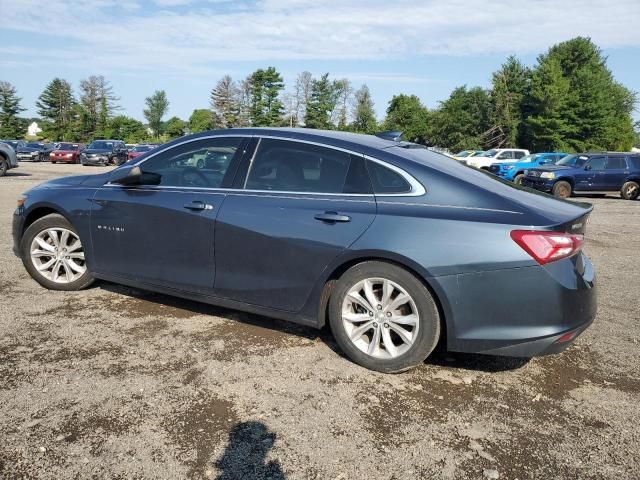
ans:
x=53 y=162
x=429 y=319
x=200 y=164
x=562 y=189
x=518 y=179
x=50 y=221
x=4 y=166
x=630 y=190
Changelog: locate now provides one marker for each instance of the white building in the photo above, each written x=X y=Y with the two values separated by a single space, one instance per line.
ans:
x=33 y=130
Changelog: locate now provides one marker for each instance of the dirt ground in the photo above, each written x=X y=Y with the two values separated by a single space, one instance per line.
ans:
x=113 y=382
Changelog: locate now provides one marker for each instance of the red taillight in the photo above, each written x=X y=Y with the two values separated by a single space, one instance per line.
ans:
x=545 y=246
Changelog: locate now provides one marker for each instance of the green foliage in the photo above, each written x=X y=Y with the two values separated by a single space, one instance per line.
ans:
x=407 y=114
x=201 y=120
x=157 y=106
x=57 y=105
x=636 y=136
x=461 y=120
x=266 y=109
x=509 y=87
x=322 y=102
x=225 y=103
x=126 y=128
x=174 y=127
x=98 y=105
x=10 y=125
x=364 y=116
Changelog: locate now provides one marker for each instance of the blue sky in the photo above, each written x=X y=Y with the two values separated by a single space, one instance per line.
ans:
x=184 y=46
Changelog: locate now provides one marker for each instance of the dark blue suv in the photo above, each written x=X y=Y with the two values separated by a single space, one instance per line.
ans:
x=589 y=173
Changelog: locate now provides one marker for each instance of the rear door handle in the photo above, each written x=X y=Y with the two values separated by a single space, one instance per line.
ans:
x=198 y=205
x=332 y=217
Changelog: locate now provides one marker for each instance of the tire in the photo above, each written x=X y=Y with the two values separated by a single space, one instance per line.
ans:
x=77 y=280
x=630 y=190
x=562 y=189
x=200 y=164
x=4 y=166
x=407 y=355
x=53 y=162
x=518 y=179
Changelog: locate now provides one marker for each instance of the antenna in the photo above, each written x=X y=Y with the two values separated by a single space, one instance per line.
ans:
x=390 y=135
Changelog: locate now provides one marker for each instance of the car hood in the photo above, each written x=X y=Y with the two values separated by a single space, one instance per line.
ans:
x=28 y=149
x=89 y=151
x=552 y=168
x=64 y=151
x=96 y=180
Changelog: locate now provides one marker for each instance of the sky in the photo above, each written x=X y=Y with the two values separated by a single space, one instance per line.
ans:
x=184 y=47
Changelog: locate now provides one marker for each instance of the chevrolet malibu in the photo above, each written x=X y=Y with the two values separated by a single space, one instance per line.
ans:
x=397 y=248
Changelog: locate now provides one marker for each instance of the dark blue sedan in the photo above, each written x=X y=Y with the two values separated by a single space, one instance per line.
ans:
x=396 y=247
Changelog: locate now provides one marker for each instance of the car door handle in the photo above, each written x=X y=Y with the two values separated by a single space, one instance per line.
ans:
x=332 y=217
x=198 y=205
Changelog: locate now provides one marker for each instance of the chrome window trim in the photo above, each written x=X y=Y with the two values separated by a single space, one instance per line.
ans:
x=417 y=189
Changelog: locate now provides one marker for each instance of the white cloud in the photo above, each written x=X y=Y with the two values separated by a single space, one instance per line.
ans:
x=192 y=39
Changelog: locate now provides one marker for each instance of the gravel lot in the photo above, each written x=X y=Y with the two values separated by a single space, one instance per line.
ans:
x=113 y=382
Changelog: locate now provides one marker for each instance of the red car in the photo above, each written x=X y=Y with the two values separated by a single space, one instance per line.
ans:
x=139 y=150
x=66 y=152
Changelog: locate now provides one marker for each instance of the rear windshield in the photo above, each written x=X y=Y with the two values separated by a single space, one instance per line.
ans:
x=573 y=160
x=142 y=148
x=101 y=145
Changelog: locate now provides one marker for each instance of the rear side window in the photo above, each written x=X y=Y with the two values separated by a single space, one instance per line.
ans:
x=616 y=163
x=634 y=161
x=385 y=180
x=286 y=166
x=519 y=154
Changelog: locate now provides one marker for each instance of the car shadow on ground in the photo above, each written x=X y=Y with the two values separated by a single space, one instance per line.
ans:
x=246 y=454
x=441 y=358
x=17 y=174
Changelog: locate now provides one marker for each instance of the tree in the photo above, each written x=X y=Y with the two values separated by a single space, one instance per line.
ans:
x=343 y=92
x=201 y=120
x=174 y=127
x=461 y=120
x=57 y=105
x=364 y=116
x=126 y=128
x=322 y=101
x=99 y=102
x=225 y=102
x=299 y=98
x=509 y=87
x=406 y=113
x=636 y=139
x=266 y=108
x=10 y=125
x=157 y=106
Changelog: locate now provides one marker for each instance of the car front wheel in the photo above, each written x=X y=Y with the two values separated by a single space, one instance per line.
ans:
x=630 y=190
x=4 y=166
x=383 y=317
x=53 y=254
x=561 y=189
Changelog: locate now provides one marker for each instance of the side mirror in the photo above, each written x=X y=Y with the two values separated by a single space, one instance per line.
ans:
x=587 y=167
x=133 y=175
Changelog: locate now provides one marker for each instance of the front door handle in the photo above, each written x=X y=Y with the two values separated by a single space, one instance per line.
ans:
x=198 y=205
x=332 y=217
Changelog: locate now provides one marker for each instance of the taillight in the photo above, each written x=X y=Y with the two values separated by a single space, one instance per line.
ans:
x=545 y=246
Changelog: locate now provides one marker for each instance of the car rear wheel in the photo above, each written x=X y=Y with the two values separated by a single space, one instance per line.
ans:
x=630 y=191
x=4 y=166
x=53 y=254
x=53 y=162
x=518 y=179
x=383 y=317
x=562 y=189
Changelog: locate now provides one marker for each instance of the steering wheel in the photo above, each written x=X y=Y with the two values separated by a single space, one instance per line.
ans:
x=193 y=177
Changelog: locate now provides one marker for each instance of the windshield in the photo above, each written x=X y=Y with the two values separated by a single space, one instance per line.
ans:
x=34 y=145
x=463 y=153
x=529 y=158
x=67 y=146
x=489 y=153
x=573 y=160
x=101 y=145
x=142 y=148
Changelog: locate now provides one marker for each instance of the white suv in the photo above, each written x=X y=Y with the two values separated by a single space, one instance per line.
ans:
x=496 y=155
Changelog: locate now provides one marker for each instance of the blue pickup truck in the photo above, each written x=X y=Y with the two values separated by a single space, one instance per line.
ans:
x=514 y=171
x=589 y=173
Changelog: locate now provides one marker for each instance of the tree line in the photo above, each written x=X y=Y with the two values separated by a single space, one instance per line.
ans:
x=568 y=101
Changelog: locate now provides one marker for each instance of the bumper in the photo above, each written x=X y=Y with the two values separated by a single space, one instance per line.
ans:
x=94 y=161
x=16 y=231
x=541 y=184
x=522 y=312
x=63 y=159
x=28 y=157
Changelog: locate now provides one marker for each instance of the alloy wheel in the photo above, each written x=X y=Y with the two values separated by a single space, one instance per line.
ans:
x=57 y=255
x=380 y=318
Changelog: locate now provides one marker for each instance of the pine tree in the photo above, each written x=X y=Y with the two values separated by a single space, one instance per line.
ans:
x=10 y=125
x=322 y=102
x=157 y=106
x=266 y=107
x=225 y=103
x=364 y=116
x=99 y=102
x=57 y=105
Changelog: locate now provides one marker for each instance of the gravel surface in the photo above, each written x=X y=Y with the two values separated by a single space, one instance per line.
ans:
x=113 y=382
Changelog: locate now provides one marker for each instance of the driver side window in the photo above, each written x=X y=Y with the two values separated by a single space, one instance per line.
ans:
x=202 y=163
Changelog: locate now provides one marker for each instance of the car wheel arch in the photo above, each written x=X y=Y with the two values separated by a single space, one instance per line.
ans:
x=38 y=212
x=404 y=263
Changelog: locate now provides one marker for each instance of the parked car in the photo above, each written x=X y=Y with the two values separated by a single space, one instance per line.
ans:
x=15 y=144
x=66 y=153
x=8 y=158
x=465 y=154
x=589 y=173
x=514 y=171
x=34 y=151
x=496 y=155
x=130 y=146
x=104 y=152
x=138 y=150
x=397 y=247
